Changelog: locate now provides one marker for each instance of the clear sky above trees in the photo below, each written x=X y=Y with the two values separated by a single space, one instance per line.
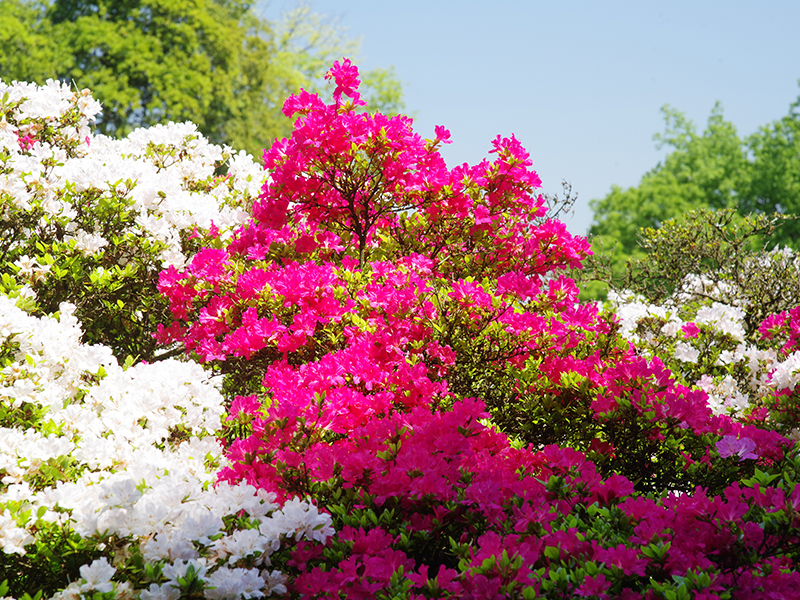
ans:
x=580 y=83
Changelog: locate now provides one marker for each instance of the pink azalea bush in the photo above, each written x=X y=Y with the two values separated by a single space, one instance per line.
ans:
x=398 y=346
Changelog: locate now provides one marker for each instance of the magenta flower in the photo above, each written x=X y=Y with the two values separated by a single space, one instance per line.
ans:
x=244 y=405
x=594 y=586
x=690 y=330
x=346 y=77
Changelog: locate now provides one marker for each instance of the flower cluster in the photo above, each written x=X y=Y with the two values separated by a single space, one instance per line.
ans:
x=120 y=462
x=373 y=295
x=92 y=220
x=751 y=375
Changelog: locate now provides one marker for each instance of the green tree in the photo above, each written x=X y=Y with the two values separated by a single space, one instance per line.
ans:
x=706 y=170
x=759 y=174
x=303 y=46
x=775 y=181
x=213 y=62
x=153 y=61
x=28 y=49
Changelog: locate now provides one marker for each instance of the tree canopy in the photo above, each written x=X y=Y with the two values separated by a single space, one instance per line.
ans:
x=703 y=170
x=216 y=63
x=775 y=167
x=716 y=169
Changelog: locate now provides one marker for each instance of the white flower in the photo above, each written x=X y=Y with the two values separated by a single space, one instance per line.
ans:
x=275 y=582
x=672 y=327
x=174 y=545
x=160 y=592
x=231 y=584
x=27 y=292
x=26 y=265
x=88 y=244
x=787 y=373
x=686 y=352
x=97 y=576
x=180 y=568
x=71 y=592
x=241 y=544
x=13 y=538
x=116 y=424
x=724 y=396
x=727 y=319
x=301 y=519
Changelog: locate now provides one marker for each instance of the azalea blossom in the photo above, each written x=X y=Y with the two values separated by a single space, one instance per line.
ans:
x=732 y=446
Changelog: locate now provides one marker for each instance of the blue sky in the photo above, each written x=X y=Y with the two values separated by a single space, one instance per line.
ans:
x=579 y=83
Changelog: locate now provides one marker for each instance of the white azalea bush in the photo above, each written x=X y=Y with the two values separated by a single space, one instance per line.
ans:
x=703 y=344
x=92 y=220
x=107 y=463
x=713 y=346
x=108 y=476
x=697 y=302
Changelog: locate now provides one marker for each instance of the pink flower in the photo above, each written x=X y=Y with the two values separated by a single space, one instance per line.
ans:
x=730 y=445
x=594 y=586
x=371 y=543
x=442 y=134
x=690 y=330
x=25 y=142
x=626 y=559
x=210 y=263
x=346 y=77
x=601 y=447
x=244 y=405
x=365 y=278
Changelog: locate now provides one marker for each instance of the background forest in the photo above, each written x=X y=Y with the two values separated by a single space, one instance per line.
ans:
x=714 y=169
x=216 y=63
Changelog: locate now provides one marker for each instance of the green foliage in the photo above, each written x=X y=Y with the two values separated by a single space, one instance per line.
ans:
x=114 y=290
x=28 y=47
x=703 y=260
x=707 y=170
x=213 y=62
x=714 y=256
x=382 y=91
x=526 y=401
x=156 y=60
x=775 y=181
x=53 y=561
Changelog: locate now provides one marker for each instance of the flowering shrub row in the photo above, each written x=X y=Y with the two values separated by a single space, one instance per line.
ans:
x=411 y=401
